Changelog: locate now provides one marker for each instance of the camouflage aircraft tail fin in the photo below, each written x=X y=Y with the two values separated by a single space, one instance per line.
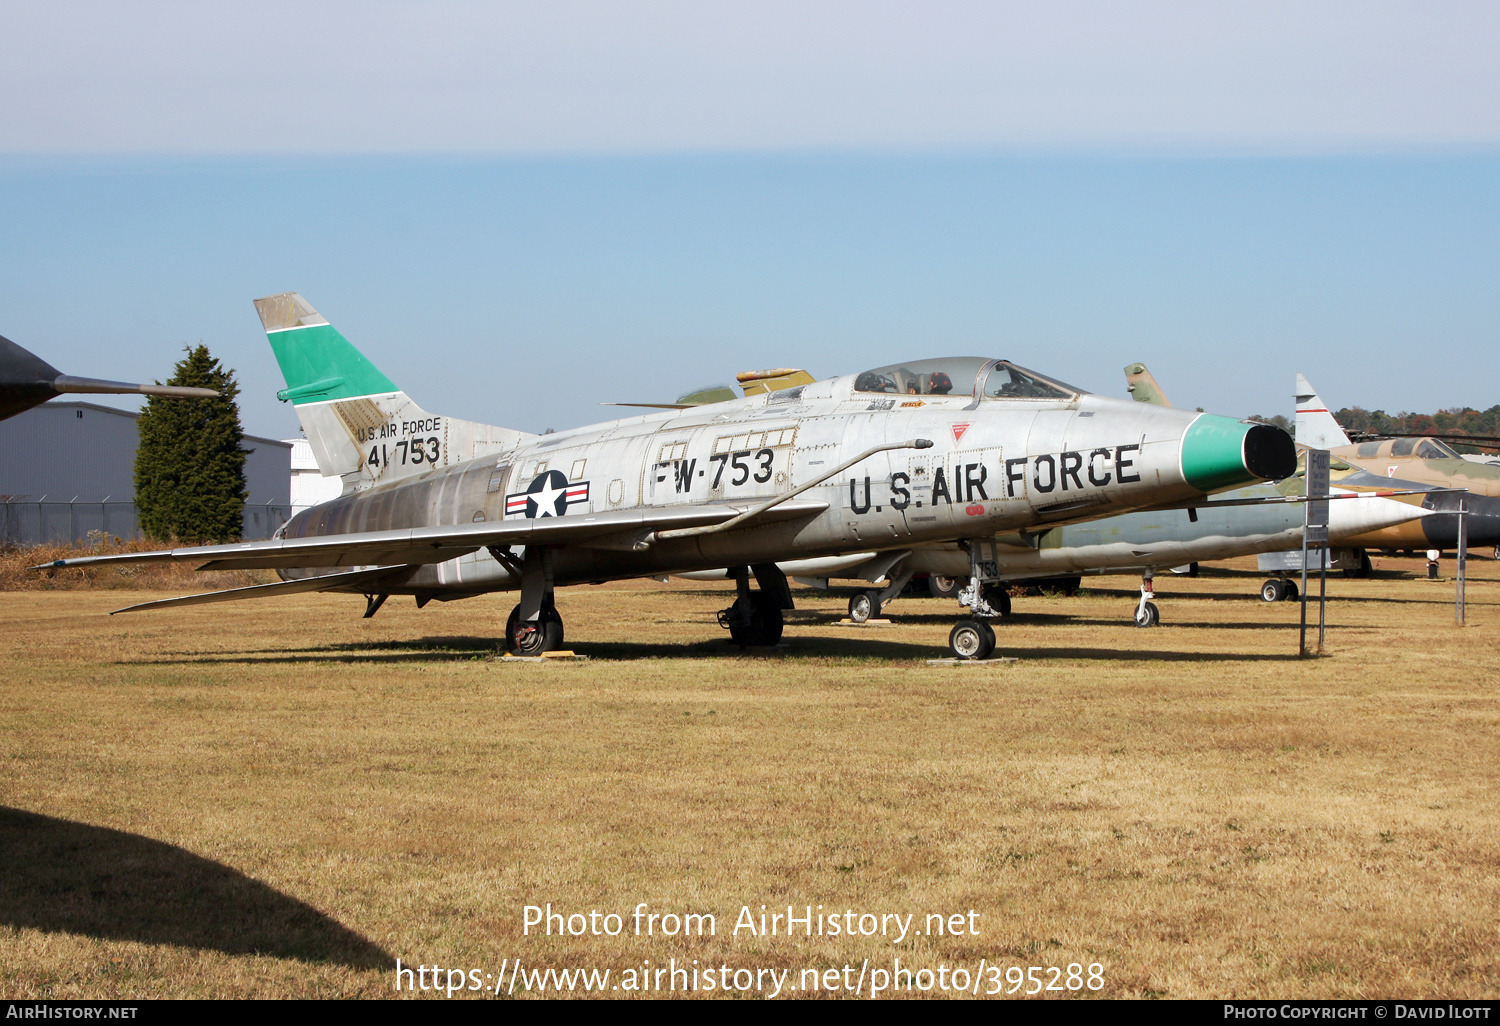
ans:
x=1315 y=425
x=1143 y=387
x=362 y=428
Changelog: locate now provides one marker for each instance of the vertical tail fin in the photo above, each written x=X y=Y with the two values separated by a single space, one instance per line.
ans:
x=360 y=425
x=1143 y=387
x=1315 y=425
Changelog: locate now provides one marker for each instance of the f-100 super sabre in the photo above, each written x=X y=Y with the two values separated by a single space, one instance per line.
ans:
x=960 y=449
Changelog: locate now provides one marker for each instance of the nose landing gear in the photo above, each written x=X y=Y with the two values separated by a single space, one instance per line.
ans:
x=1146 y=614
x=974 y=638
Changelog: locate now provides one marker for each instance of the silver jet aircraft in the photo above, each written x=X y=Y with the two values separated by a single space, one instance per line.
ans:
x=1146 y=543
x=932 y=451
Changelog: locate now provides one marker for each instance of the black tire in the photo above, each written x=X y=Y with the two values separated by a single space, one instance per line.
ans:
x=998 y=596
x=971 y=639
x=532 y=639
x=1293 y=593
x=1274 y=590
x=1147 y=615
x=759 y=626
x=945 y=587
x=864 y=605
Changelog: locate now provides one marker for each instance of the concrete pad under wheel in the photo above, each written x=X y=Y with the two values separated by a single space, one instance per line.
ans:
x=846 y=622
x=565 y=655
x=973 y=662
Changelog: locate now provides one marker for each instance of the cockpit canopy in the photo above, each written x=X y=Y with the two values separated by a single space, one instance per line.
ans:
x=964 y=375
x=1422 y=448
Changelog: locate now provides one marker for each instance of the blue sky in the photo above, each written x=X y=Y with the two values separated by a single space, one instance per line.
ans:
x=631 y=205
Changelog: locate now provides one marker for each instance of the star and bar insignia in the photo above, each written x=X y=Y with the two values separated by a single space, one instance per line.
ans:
x=549 y=495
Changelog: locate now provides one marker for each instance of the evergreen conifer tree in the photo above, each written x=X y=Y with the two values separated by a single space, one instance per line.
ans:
x=189 y=465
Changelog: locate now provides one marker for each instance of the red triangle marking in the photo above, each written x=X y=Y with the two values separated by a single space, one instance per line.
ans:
x=958 y=431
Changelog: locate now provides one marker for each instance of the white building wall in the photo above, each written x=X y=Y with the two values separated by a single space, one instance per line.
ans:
x=309 y=486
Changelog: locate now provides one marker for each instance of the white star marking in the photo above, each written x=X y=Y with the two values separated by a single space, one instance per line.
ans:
x=546 y=500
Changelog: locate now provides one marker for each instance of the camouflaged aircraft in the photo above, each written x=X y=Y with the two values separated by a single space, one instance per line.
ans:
x=926 y=452
x=1426 y=461
x=26 y=380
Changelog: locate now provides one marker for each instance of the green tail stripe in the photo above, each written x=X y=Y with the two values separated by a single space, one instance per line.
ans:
x=319 y=364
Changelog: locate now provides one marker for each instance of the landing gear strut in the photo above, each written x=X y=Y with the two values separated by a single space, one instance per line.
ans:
x=755 y=618
x=974 y=638
x=534 y=626
x=1146 y=614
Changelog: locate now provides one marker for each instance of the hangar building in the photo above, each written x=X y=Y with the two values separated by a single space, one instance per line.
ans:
x=67 y=469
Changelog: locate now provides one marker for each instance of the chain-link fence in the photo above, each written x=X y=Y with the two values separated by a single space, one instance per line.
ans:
x=48 y=521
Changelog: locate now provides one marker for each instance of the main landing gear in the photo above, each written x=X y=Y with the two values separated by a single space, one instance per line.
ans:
x=754 y=621
x=534 y=627
x=866 y=605
x=1278 y=589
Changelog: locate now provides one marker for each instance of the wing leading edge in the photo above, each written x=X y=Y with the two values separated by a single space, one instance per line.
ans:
x=625 y=529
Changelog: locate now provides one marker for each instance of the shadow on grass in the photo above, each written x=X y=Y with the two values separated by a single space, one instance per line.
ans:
x=850 y=643
x=66 y=877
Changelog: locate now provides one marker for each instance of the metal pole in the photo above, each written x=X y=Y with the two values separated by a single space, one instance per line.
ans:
x=1302 y=633
x=1322 y=597
x=1315 y=533
x=1463 y=559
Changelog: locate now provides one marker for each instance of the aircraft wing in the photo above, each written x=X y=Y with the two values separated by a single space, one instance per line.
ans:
x=621 y=529
x=327 y=582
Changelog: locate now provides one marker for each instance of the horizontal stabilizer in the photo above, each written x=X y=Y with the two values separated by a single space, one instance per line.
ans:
x=331 y=582
x=438 y=544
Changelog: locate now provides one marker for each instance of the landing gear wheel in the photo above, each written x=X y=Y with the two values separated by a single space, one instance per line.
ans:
x=972 y=639
x=756 y=624
x=1293 y=593
x=1273 y=590
x=1147 y=615
x=864 y=605
x=945 y=587
x=998 y=596
x=532 y=638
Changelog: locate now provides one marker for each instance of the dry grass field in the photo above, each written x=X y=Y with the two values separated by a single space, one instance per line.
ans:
x=281 y=799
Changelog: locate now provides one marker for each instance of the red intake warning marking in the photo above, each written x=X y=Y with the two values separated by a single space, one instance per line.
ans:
x=958 y=431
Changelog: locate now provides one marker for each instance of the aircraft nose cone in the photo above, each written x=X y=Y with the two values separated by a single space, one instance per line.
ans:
x=1482 y=528
x=1221 y=452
